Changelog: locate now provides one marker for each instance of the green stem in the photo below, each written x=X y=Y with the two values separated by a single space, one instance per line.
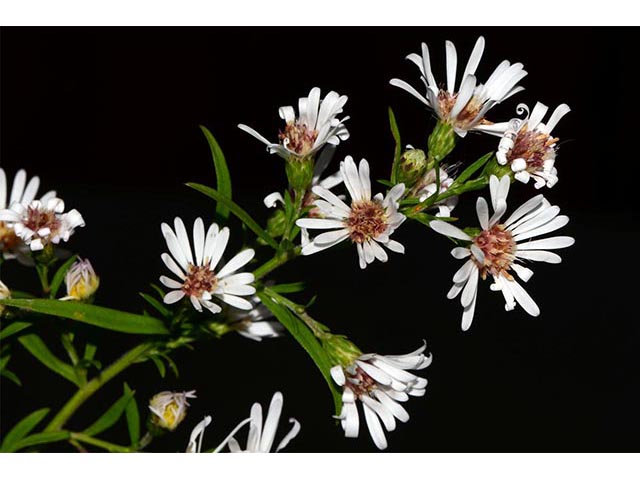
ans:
x=318 y=329
x=145 y=441
x=95 y=384
x=277 y=261
x=43 y=275
x=299 y=200
x=111 y=447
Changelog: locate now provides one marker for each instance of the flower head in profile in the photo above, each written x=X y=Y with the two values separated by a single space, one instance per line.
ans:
x=528 y=147
x=501 y=249
x=380 y=383
x=169 y=408
x=255 y=324
x=262 y=436
x=39 y=224
x=463 y=105
x=22 y=192
x=81 y=281
x=199 y=278
x=368 y=222
x=315 y=125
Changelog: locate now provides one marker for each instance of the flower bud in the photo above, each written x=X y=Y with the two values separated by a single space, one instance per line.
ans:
x=340 y=350
x=168 y=409
x=493 y=167
x=4 y=293
x=81 y=281
x=276 y=223
x=413 y=165
x=441 y=141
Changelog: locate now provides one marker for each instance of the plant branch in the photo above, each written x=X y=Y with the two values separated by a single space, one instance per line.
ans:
x=111 y=447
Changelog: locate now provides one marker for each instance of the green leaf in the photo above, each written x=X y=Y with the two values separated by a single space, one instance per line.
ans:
x=425 y=218
x=39 y=439
x=223 y=177
x=111 y=416
x=20 y=294
x=159 y=365
x=34 y=344
x=12 y=329
x=386 y=183
x=307 y=340
x=89 y=351
x=133 y=417
x=172 y=364
x=58 y=278
x=164 y=311
x=237 y=211
x=98 y=316
x=11 y=376
x=473 y=168
x=288 y=287
x=22 y=429
x=397 y=153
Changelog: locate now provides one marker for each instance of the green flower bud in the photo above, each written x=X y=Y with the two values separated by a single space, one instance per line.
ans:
x=494 y=168
x=340 y=350
x=441 y=141
x=276 y=224
x=413 y=165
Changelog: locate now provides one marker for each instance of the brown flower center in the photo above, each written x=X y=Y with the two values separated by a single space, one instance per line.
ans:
x=532 y=146
x=363 y=385
x=298 y=138
x=467 y=115
x=200 y=279
x=499 y=249
x=367 y=220
x=8 y=239
x=39 y=218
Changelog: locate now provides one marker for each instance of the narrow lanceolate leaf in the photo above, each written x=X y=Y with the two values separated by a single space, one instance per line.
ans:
x=58 y=278
x=34 y=344
x=12 y=329
x=473 y=168
x=9 y=375
x=98 y=316
x=397 y=153
x=156 y=304
x=237 y=211
x=223 y=178
x=22 y=429
x=307 y=340
x=288 y=287
x=133 y=417
x=111 y=416
x=40 y=439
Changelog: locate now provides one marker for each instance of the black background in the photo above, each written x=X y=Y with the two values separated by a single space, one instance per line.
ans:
x=109 y=118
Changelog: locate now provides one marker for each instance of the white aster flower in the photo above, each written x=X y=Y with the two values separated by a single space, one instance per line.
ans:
x=260 y=439
x=315 y=126
x=81 y=281
x=199 y=279
x=170 y=408
x=502 y=248
x=41 y=223
x=379 y=382
x=197 y=435
x=464 y=108
x=254 y=324
x=366 y=222
x=528 y=147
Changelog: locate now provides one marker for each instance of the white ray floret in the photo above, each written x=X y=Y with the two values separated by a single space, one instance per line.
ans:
x=380 y=383
x=502 y=249
x=255 y=324
x=528 y=147
x=262 y=436
x=315 y=126
x=199 y=278
x=464 y=105
x=368 y=222
x=197 y=435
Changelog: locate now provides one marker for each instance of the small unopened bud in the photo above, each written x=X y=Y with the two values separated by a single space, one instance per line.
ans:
x=493 y=167
x=341 y=350
x=4 y=293
x=81 y=281
x=276 y=223
x=413 y=165
x=441 y=141
x=168 y=409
